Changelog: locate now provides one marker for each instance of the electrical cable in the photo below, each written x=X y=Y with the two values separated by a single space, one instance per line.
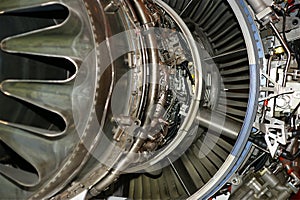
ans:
x=284 y=15
x=293 y=7
x=289 y=156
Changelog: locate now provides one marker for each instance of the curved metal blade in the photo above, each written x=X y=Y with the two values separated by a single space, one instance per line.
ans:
x=21 y=177
x=48 y=95
x=31 y=129
x=9 y=5
x=39 y=152
x=6 y=183
x=63 y=40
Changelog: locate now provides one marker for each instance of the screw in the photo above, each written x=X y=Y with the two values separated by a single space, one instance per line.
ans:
x=295 y=22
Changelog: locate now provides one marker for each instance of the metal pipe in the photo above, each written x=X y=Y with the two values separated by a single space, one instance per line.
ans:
x=115 y=173
x=152 y=50
x=288 y=52
x=143 y=16
x=257 y=5
x=219 y=123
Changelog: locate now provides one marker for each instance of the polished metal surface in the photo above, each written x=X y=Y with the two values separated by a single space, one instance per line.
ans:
x=142 y=99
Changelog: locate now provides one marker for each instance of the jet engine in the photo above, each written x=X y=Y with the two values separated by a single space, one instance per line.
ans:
x=149 y=99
